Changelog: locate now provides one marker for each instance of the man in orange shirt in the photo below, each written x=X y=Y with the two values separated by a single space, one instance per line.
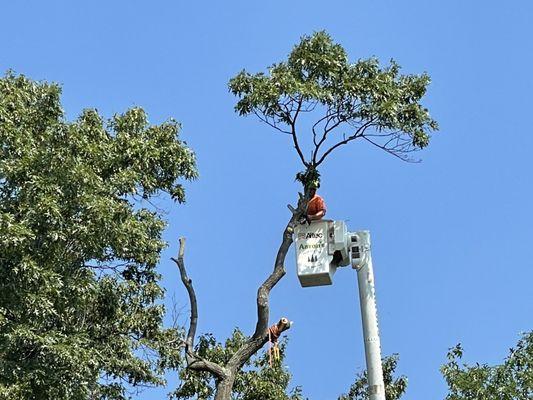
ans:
x=316 y=208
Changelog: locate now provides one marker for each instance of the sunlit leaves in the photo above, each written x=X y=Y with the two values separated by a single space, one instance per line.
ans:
x=394 y=387
x=511 y=380
x=360 y=99
x=257 y=380
x=79 y=292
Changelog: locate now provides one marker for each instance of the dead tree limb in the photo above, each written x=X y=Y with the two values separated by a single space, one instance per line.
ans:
x=260 y=336
x=225 y=375
x=194 y=361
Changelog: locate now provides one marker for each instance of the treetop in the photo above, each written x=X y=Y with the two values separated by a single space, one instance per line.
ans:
x=345 y=101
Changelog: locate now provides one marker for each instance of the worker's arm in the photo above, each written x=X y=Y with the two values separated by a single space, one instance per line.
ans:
x=318 y=215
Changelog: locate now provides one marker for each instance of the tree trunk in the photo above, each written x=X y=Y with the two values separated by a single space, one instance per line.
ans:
x=224 y=388
x=226 y=374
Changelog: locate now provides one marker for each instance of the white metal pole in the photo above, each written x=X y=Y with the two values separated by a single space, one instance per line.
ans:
x=367 y=297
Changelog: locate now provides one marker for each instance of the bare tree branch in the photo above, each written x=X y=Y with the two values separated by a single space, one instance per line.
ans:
x=199 y=364
x=311 y=107
x=358 y=133
x=294 y=136
x=325 y=117
x=272 y=124
x=187 y=282
x=193 y=360
x=226 y=374
x=263 y=292
x=327 y=129
x=401 y=154
x=260 y=336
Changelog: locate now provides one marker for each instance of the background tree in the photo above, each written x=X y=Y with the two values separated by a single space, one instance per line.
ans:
x=261 y=377
x=394 y=387
x=79 y=291
x=511 y=380
x=349 y=101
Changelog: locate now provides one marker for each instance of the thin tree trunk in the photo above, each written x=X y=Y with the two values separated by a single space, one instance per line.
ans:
x=224 y=388
x=226 y=374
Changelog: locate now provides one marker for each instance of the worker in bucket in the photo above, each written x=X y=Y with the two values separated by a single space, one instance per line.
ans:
x=316 y=207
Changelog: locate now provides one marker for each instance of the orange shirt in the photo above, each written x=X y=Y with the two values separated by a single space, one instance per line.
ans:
x=315 y=205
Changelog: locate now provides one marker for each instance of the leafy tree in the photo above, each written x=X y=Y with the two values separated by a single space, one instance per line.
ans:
x=341 y=101
x=511 y=380
x=348 y=101
x=79 y=291
x=262 y=377
x=265 y=379
x=394 y=387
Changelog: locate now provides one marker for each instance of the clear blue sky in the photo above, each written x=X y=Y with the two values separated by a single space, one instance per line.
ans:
x=451 y=236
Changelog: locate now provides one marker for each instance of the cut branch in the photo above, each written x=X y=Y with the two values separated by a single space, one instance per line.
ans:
x=253 y=345
x=187 y=282
x=263 y=310
x=226 y=374
x=263 y=292
x=260 y=336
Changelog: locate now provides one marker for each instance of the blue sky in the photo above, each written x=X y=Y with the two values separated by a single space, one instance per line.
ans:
x=451 y=235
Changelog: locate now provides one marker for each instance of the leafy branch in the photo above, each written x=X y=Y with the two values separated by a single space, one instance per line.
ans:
x=360 y=100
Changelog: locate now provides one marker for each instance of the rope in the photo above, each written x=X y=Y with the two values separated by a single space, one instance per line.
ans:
x=269 y=348
x=273 y=335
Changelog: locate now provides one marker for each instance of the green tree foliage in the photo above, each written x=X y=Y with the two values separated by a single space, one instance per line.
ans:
x=394 y=387
x=511 y=380
x=256 y=380
x=79 y=311
x=341 y=101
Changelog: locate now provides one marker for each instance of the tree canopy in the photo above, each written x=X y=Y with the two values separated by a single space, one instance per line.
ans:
x=394 y=387
x=80 y=315
x=260 y=378
x=510 y=380
x=342 y=101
